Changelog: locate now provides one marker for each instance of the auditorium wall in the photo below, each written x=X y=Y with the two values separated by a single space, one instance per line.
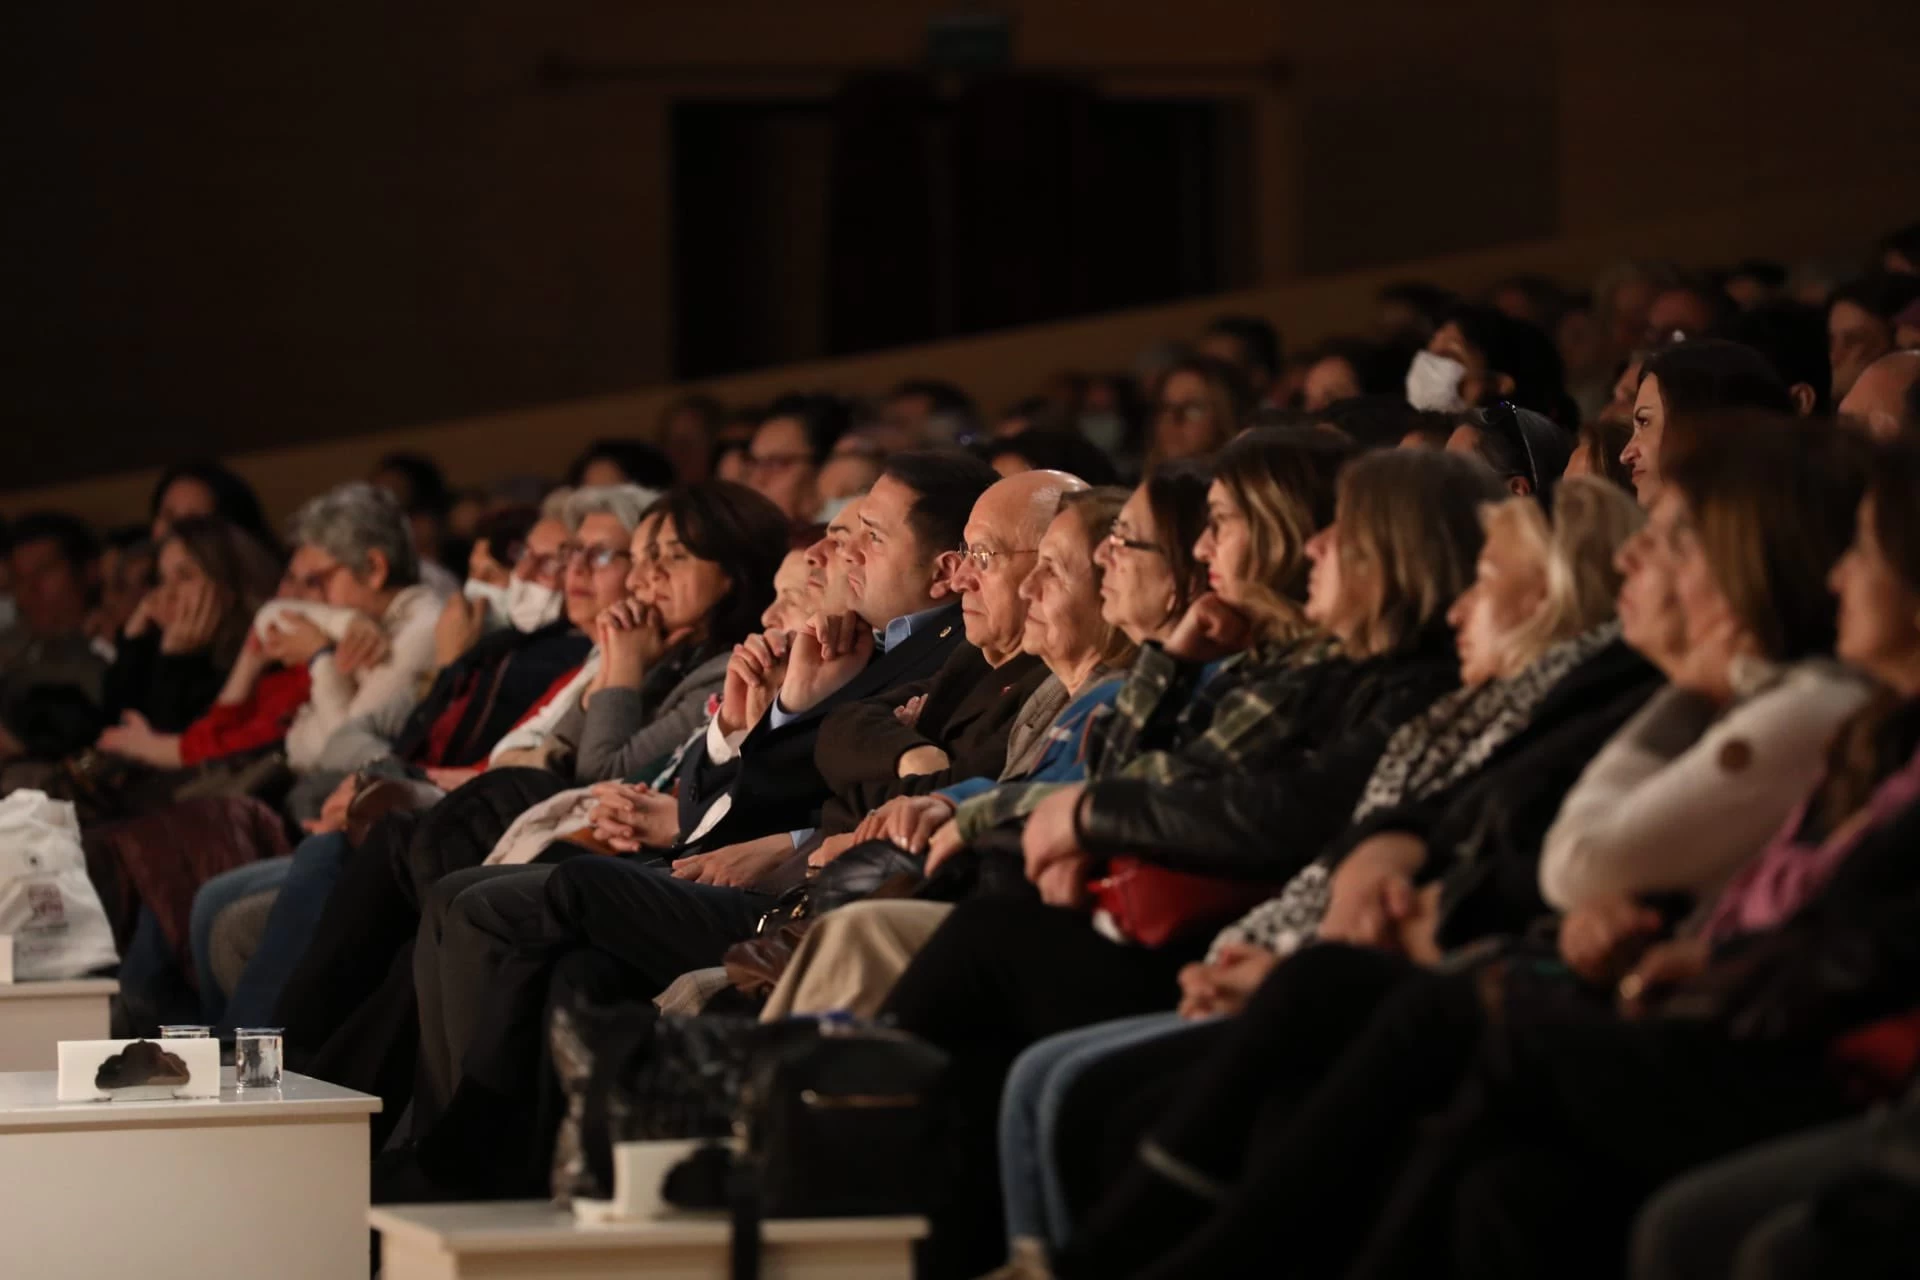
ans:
x=233 y=227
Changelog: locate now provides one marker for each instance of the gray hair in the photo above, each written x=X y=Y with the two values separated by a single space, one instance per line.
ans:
x=554 y=506
x=355 y=519
x=624 y=502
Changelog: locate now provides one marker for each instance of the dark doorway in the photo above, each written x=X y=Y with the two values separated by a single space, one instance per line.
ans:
x=898 y=213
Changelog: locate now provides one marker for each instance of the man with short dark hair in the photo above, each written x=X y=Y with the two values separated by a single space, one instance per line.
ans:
x=626 y=930
x=50 y=676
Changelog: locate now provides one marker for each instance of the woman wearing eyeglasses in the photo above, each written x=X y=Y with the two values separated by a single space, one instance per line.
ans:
x=1202 y=746
x=852 y=958
x=1203 y=404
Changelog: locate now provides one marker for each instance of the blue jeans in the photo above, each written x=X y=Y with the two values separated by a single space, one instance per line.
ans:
x=215 y=896
x=1036 y=1205
x=311 y=874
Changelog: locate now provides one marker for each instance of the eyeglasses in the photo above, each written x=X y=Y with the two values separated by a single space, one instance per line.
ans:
x=1218 y=520
x=596 y=557
x=541 y=566
x=1117 y=539
x=982 y=558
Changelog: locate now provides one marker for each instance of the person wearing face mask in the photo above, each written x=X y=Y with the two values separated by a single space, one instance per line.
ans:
x=445 y=738
x=494 y=595
x=485 y=682
x=664 y=921
x=687 y=584
x=473 y=701
x=1481 y=356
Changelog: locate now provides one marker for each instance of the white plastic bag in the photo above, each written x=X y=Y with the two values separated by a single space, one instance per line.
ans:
x=47 y=903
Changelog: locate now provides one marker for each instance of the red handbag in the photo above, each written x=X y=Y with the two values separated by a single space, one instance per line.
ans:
x=1139 y=902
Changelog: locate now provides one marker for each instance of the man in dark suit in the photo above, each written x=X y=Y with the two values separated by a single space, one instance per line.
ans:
x=749 y=796
x=636 y=927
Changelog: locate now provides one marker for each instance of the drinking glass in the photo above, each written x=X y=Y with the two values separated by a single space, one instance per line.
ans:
x=184 y=1031
x=256 y=1058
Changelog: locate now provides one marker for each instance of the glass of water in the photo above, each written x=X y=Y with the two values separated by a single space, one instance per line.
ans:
x=256 y=1058
x=184 y=1031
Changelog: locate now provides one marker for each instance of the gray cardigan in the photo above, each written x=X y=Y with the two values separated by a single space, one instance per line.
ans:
x=612 y=737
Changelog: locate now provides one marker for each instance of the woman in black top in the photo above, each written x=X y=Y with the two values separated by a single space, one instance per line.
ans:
x=175 y=652
x=1006 y=970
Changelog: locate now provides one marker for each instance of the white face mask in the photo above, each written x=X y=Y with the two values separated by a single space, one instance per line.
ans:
x=531 y=606
x=1433 y=383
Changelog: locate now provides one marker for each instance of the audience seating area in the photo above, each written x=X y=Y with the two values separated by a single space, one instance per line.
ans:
x=1442 y=799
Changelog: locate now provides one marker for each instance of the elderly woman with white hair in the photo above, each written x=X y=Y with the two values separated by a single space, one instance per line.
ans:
x=580 y=547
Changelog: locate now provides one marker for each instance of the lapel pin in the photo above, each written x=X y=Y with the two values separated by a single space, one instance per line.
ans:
x=946 y=631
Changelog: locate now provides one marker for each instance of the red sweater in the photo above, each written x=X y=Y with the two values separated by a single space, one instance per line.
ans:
x=262 y=718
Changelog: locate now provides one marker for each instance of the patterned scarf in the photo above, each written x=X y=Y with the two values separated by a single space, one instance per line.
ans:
x=1445 y=743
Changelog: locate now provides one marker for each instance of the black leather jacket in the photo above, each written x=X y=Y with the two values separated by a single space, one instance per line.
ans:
x=1268 y=822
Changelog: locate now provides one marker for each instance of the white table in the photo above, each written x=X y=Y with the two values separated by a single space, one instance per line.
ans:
x=249 y=1184
x=36 y=1016
x=531 y=1240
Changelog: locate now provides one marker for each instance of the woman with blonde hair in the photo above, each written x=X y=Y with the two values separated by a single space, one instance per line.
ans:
x=1234 y=781
x=1439 y=853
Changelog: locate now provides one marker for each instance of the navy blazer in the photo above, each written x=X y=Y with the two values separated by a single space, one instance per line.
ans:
x=773 y=780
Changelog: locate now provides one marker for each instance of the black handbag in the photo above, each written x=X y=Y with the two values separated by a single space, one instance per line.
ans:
x=629 y=1073
x=839 y=1123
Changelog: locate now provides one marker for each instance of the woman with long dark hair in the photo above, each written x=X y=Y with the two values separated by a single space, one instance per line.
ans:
x=175 y=652
x=702 y=563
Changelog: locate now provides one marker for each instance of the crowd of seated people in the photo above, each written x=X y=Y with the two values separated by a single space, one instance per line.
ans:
x=1438 y=802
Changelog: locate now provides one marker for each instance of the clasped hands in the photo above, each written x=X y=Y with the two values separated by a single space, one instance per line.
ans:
x=1373 y=901
x=801 y=667
x=627 y=817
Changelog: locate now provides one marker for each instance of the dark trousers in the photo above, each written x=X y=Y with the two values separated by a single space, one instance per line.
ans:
x=1569 y=1120
x=1001 y=973
x=350 y=1008
x=1514 y=1147
x=453 y=972
x=1279 y=1105
x=604 y=929
x=367 y=920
